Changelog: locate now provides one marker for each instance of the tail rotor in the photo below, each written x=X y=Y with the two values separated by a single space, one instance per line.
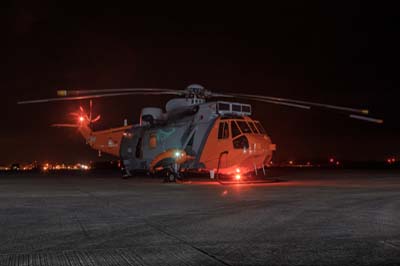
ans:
x=82 y=118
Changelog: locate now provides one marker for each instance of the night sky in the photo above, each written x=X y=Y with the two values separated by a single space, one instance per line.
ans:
x=338 y=54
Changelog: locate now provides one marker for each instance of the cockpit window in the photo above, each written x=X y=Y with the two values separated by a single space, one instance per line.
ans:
x=241 y=143
x=244 y=126
x=260 y=128
x=234 y=129
x=253 y=127
x=223 y=130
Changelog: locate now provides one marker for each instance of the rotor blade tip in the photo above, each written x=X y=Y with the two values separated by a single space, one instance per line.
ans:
x=368 y=119
x=62 y=93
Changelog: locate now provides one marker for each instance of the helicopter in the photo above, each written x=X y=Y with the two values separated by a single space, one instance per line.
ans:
x=194 y=134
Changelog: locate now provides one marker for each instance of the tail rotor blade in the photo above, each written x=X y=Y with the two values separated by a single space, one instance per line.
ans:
x=96 y=119
x=90 y=109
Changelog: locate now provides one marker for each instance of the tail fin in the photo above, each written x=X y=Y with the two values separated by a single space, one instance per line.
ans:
x=83 y=122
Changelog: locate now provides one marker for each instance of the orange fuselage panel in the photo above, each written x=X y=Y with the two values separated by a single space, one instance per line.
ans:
x=107 y=141
x=256 y=155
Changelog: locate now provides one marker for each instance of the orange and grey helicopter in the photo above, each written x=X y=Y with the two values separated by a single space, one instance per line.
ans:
x=193 y=134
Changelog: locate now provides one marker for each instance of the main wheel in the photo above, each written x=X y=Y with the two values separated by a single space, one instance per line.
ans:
x=171 y=176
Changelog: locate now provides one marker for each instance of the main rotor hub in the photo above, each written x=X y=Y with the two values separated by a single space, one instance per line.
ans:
x=196 y=91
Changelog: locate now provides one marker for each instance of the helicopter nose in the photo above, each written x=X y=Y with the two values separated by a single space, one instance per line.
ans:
x=258 y=143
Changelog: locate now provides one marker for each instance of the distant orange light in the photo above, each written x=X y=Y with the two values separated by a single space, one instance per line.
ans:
x=81 y=118
x=237 y=177
x=237 y=170
x=290 y=162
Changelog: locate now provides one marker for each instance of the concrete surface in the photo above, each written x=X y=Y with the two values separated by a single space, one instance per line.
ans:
x=318 y=217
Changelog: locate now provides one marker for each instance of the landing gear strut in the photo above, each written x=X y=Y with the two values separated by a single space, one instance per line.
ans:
x=172 y=174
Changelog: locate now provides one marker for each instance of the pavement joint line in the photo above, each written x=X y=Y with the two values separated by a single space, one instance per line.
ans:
x=85 y=232
x=390 y=244
x=186 y=243
x=126 y=259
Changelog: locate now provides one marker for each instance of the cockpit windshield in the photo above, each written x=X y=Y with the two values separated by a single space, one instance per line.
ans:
x=253 y=128
x=241 y=126
x=244 y=126
x=260 y=127
x=234 y=129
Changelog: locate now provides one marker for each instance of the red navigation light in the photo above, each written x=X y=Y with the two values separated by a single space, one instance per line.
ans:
x=331 y=160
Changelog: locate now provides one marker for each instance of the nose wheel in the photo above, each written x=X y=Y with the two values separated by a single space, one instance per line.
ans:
x=172 y=173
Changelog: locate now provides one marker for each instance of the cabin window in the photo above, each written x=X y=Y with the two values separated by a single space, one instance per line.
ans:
x=234 y=129
x=138 y=152
x=244 y=126
x=260 y=128
x=253 y=127
x=223 y=130
x=241 y=143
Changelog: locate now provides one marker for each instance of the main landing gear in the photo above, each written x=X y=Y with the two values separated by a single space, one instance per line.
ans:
x=172 y=174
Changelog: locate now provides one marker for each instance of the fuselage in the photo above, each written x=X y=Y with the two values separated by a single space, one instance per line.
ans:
x=208 y=133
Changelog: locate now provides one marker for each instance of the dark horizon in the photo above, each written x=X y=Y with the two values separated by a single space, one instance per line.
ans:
x=343 y=55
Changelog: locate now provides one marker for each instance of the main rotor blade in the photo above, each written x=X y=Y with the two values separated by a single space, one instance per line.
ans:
x=64 y=93
x=295 y=103
x=73 y=98
x=368 y=119
x=281 y=103
x=262 y=100
x=321 y=105
x=64 y=125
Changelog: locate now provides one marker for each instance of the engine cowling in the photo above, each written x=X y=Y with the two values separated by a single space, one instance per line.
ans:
x=152 y=115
